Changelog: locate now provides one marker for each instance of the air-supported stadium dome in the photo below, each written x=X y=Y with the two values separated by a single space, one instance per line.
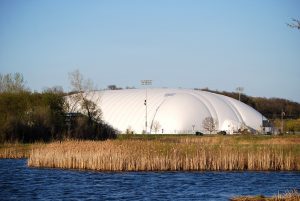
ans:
x=174 y=111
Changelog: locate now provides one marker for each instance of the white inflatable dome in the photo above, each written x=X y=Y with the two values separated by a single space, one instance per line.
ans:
x=174 y=111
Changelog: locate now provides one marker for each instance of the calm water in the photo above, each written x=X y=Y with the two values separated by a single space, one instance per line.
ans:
x=18 y=182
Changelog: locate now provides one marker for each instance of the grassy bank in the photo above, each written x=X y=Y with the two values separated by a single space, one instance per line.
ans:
x=172 y=153
x=293 y=195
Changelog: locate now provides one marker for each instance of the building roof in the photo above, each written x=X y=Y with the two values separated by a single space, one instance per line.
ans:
x=173 y=110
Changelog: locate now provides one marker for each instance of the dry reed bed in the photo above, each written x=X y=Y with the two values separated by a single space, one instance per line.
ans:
x=240 y=139
x=15 y=151
x=173 y=154
x=292 y=195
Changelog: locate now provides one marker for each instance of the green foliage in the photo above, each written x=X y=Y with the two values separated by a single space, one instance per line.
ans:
x=273 y=107
x=293 y=125
x=289 y=125
x=28 y=117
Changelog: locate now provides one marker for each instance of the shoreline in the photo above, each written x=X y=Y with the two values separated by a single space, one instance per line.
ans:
x=157 y=171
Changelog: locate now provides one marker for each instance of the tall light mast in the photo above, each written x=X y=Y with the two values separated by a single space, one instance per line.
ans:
x=146 y=83
x=240 y=90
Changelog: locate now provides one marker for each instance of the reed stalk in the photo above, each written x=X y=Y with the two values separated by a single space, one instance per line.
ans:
x=170 y=154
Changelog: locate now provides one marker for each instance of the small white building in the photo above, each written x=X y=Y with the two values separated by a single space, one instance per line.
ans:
x=173 y=111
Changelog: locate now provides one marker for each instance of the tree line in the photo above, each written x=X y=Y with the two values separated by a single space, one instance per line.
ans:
x=27 y=116
x=271 y=108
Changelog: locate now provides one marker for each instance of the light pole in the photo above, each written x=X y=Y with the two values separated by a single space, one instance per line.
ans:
x=240 y=90
x=282 y=115
x=146 y=83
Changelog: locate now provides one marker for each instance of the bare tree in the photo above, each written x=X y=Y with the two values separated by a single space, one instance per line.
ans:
x=12 y=82
x=209 y=124
x=295 y=24
x=156 y=126
x=129 y=130
x=84 y=98
x=54 y=90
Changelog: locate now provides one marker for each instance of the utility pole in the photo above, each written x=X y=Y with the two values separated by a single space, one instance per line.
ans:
x=146 y=83
x=240 y=90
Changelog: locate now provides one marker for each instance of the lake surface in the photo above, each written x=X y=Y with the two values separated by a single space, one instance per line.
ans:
x=18 y=182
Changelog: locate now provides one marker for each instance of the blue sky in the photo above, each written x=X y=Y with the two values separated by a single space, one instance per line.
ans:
x=216 y=44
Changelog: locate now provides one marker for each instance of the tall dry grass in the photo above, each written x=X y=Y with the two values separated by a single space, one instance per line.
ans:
x=167 y=154
x=17 y=150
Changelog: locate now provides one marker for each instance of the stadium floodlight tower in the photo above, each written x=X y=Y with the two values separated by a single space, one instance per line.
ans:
x=146 y=83
x=240 y=90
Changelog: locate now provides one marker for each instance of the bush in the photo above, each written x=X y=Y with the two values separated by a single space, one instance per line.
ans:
x=198 y=133
x=81 y=128
x=222 y=133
